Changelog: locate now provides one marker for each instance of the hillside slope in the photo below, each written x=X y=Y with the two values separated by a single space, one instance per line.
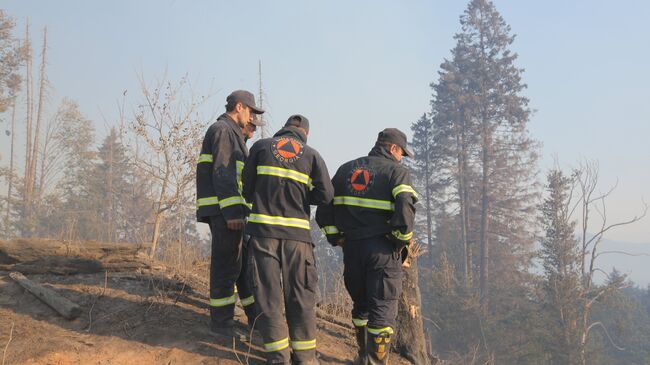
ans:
x=129 y=317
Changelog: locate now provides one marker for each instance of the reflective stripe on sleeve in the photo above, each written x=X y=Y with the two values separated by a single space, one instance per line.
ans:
x=205 y=157
x=278 y=221
x=247 y=301
x=358 y=322
x=231 y=201
x=404 y=189
x=240 y=168
x=403 y=237
x=377 y=331
x=303 y=345
x=277 y=345
x=363 y=202
x=221 y=302
x=210 y=200
x=286 y=173
x=330 y=230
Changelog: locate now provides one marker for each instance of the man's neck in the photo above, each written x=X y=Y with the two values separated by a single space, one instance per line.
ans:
x=233 y=117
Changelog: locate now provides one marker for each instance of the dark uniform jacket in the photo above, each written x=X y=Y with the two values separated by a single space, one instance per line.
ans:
x=373 y=197
x=218 y=173
x=282 y=177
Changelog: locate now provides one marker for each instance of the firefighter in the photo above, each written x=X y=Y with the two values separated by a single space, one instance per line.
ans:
x=282 y=177
x=372 y=217
x=221 y=205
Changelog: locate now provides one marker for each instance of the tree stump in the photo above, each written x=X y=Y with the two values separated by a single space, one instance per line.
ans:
x=410 y=341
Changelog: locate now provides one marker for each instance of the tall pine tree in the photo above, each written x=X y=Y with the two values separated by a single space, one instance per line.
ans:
x=561 y=262
x=485 y=178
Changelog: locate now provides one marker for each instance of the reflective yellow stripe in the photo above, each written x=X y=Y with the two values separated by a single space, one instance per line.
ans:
x=277 y=345
x=359 y=322
x=221 y=302
x=231 y=201
x=278 y=221
x=330 y=230
x=363 y=202
x=240 y=168
x=211 y=200
x=403 y=237
x=205 y=158
x=247 y=301
x=404 y=189
x=303 y=345
x=377 y=331
x=286 y=173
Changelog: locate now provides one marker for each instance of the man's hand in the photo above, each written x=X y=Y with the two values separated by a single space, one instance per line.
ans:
x=235 y=224
x=398 y=244
x=340 y=242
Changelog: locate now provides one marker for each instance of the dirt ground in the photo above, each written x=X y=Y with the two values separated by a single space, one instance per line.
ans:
x=129 y=319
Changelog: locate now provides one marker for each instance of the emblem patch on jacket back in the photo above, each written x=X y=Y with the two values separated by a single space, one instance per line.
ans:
x=287 y=149
x=360 y=180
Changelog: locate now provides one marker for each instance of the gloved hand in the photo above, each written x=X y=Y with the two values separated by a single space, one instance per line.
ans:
x=397 y=243
x=336 y=240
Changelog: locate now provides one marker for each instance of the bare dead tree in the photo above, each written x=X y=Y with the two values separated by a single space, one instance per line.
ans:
x=39 y=117
x=590 y=201
x=29 y=108
x=170 y=127
x=10 y=177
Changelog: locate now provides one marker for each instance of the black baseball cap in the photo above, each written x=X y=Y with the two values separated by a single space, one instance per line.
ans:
x=395 y=136
x=298 y=120
x=246 y=98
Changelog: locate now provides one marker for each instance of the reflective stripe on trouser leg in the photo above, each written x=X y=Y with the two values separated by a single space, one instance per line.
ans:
x=265 y=275
x=225 y=269
x=358 y=322
x=303 y=345
x=276 y=345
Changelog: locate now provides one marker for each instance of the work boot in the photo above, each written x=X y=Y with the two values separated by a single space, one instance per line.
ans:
x=227 y=331
x=378 y=347
x=361 y=342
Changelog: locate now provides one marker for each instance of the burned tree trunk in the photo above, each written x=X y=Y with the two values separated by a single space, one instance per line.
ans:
x=410 y=341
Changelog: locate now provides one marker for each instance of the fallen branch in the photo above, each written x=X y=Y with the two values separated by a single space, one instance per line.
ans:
x=60 y=304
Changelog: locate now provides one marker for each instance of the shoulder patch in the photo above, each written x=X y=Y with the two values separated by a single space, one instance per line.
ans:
x=287 y=149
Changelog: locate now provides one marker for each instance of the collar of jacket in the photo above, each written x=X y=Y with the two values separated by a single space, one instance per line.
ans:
x=294 y=132
x=381 y=151
x=226 y=118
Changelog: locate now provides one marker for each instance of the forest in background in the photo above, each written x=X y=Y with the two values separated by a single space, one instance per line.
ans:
x=509 y=276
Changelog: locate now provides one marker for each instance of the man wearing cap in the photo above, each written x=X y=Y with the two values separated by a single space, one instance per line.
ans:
x=220 y=204
x=282 y=177
x=372 y=217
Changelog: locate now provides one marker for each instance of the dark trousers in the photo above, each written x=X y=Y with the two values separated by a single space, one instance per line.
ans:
x=284 y=273
x=373 y=278
x=227 y=268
